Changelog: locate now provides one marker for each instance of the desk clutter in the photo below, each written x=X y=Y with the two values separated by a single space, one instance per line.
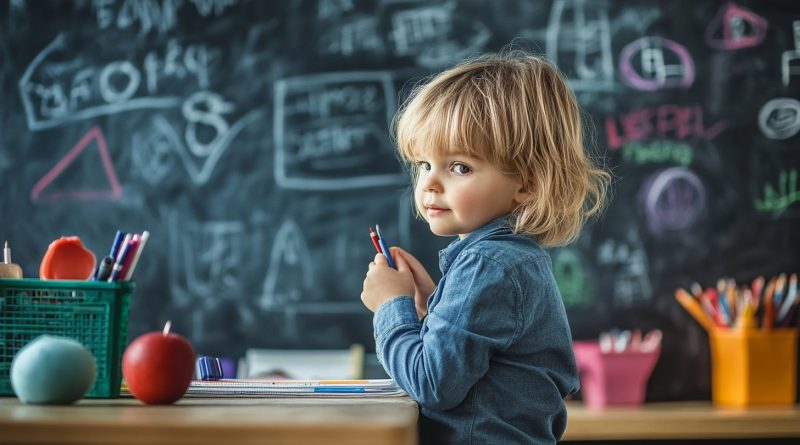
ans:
x=752 y=331
x=68 y=305
x=64 y=337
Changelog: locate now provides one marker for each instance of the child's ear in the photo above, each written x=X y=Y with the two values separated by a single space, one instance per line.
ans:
x=522 y=194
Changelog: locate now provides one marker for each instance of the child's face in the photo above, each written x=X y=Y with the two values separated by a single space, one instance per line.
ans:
x=458 y=194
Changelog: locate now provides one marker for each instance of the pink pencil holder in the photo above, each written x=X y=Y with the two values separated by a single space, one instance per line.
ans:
x=613 y=378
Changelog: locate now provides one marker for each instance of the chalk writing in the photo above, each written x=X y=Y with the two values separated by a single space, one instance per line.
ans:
x=330 y=131
x=152 y=150
x=207 y=261
x=150 y=15
x=780 y=118
x=628 y=262
x=776 y=201
x=358 y=35
x=639 y=153
x=427 y=33
x=673 y=199
x=663 y=63
x=58 y=92
x=40 y=189
x=662 y=122
x=736 y=27
x=579 y=42
x=790 y=60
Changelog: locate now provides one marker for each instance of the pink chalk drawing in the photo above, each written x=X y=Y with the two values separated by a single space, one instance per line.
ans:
x=40 y=192
x=740 y=28
x=655 y=70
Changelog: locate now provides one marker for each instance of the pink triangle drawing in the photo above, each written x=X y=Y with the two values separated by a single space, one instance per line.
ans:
x=725 y=20
x=40 y=191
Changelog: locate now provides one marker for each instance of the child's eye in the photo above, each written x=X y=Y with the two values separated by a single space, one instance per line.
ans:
x=422 y=165
x=460 y=169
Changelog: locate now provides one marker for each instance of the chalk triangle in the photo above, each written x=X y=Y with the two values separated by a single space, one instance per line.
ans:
x=46 y=189
x=735 y=27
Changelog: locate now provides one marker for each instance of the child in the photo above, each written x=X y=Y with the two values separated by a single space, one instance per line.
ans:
x=496 y=145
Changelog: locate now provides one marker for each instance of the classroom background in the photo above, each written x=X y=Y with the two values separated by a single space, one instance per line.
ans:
x=251 y=139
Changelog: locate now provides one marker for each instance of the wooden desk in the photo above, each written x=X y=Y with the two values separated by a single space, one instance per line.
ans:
x=391 y=421
x=351 y=421
x=678 y=421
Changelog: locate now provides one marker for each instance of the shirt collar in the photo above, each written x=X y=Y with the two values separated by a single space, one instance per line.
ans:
x=495 y=226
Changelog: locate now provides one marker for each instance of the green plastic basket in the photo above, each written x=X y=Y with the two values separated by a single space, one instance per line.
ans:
x=93 y=313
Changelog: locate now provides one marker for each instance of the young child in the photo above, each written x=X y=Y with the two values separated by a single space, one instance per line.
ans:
x=496 y=145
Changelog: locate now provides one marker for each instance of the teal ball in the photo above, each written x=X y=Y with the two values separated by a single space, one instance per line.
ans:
x=52 y=371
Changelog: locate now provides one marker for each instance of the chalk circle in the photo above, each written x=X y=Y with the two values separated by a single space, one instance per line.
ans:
x=780 y=118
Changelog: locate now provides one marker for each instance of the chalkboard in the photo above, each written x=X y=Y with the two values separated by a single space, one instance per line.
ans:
x=251 y=139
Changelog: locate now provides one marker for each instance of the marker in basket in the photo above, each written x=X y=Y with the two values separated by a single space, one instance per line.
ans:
x=121 y=260
x=7 y=268
x=384 y=247
x=142 y=241
x=104 y=269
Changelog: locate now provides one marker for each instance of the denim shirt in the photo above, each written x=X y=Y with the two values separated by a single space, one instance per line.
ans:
x=492 y=360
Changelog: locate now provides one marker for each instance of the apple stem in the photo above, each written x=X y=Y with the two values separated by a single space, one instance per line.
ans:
x=167 y=326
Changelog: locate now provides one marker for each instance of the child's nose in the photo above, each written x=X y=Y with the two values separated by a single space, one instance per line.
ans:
x=431 y=183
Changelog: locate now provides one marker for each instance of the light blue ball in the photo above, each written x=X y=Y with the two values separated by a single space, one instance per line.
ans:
x=52 y=370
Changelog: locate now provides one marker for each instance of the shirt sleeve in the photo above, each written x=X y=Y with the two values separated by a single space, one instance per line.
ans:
x=474 y=316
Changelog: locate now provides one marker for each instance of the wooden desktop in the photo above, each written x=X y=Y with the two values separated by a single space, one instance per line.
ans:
x=351 y=421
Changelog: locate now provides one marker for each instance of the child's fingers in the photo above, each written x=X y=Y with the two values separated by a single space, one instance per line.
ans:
x=380 y=260
x=400 y=262
x=412 y=263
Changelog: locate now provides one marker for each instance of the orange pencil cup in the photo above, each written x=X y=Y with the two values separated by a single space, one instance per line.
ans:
x=613 y=378
x=753 y=367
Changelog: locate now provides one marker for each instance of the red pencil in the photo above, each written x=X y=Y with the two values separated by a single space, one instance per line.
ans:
x=374 y=237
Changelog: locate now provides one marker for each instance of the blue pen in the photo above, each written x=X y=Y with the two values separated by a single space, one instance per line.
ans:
x=115 y=272
x=115 y=246
x=339 y=389
x=384 y=247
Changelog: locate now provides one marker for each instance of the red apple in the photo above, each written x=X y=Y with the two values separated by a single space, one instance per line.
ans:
x=158 y=367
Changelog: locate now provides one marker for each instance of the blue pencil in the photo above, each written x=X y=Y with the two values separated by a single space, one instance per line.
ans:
x=385 y=247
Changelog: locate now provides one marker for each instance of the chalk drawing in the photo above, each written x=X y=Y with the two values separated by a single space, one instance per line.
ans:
x=206 y=261
x=56 y=92
x=153 y=150
x=780 y=118
x=40 y=190
x=579 y=42
x=427 y=33
x=151 y=15
x=330 y=131
x=663 y=63
x=627 y=260
x=199 y=159
x=776 y=201
x=354 y=36
x=673 y=200
x=572 y=277
x=736 y=27
x=790 y=60
x=290 y=277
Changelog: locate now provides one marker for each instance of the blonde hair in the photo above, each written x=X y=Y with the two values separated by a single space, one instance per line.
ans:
x=515 y=111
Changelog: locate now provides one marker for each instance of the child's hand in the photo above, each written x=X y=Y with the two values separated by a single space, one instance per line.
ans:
x=423 y=283
x=384 y=283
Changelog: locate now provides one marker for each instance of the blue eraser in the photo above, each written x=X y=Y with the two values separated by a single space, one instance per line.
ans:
x=52 y=370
